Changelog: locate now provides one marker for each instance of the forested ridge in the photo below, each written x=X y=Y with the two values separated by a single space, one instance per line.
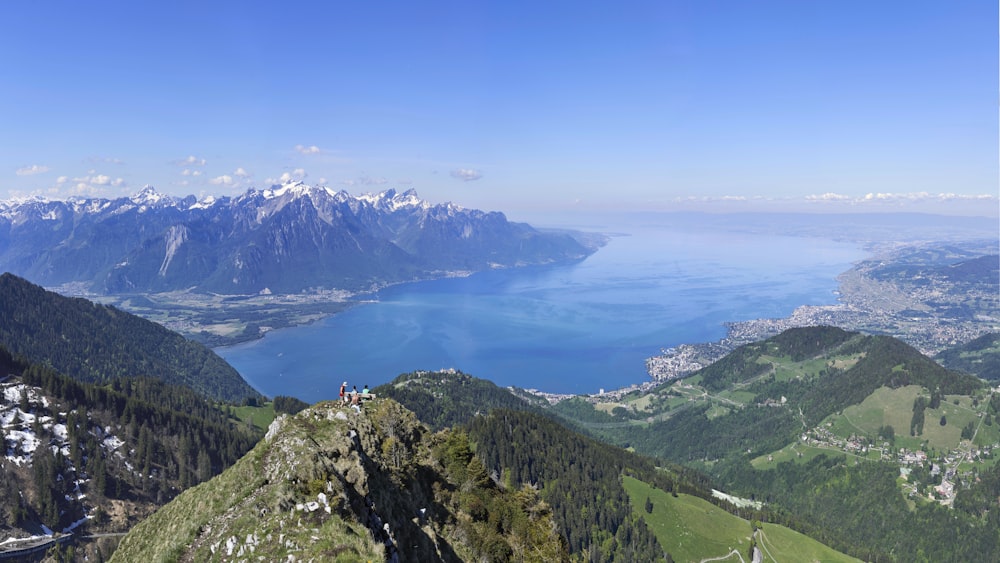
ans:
x=579 y=477
x=691 y=435
x=97 y=343
x=442 y=399
x=980 y=357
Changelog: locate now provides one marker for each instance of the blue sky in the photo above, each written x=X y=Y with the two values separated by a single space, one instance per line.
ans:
x=513 y=106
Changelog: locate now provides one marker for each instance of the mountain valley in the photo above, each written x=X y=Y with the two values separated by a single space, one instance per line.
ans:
x=791 y=443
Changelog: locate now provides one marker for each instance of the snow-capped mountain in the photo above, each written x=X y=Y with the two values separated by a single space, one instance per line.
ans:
x=284 y=239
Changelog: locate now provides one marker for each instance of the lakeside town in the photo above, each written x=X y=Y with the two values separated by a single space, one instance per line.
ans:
x=929 y=312
x=921 y=312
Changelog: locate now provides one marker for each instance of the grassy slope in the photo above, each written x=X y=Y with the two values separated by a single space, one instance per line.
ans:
x=692 y=529
x=167 y=534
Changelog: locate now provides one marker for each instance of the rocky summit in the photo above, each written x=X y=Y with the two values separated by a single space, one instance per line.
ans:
x=335 y=483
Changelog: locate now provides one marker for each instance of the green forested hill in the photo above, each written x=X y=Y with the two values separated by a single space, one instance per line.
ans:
x=96 y=343
x=980 y=357
x=825 y=426
x=763 y=395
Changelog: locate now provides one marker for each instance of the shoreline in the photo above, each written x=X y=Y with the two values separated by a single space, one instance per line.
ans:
x=862 y=301
x=864 y=304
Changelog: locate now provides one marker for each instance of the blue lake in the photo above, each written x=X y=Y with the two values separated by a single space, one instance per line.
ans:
x=572 y=328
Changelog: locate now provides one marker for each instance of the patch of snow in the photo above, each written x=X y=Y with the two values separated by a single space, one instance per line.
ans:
x=295 y=188
x=25 y=439
x=205 y=203
x=73 y=526
x=737 y=501
x=112 y=443
x=20 y=540
x=60 y=431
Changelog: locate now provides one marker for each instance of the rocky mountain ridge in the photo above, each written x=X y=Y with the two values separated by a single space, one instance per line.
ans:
x=333 y=483
x=284 y=239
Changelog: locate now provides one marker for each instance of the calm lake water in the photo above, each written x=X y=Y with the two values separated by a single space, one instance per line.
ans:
x=569 y=329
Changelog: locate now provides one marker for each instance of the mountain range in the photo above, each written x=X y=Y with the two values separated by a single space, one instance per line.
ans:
x=284 y=239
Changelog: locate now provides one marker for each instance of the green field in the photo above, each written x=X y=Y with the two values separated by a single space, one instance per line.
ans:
x=261 y=417
x=692 y=529
x=894 y=407
x=797 y=452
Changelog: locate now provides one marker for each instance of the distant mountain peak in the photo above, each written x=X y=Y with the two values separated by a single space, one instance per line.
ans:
x=391 y=200
x=288 y=238
x=294 y=188
x=148 y=196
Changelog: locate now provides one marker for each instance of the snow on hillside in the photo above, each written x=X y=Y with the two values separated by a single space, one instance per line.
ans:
x=18 y=425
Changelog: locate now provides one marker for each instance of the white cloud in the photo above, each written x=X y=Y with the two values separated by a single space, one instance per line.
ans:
x=92 y=182
x=897 y=198
x=466 y=174
x=224 y=180
x=86 y=189
x=191 y=161
x=241 y=173
x=369 y=181
x=311 y=149
x=189 y=172
x=31 y=170
x=294 y=175
x=828 y=196
x=922 y=196
x=105 y=160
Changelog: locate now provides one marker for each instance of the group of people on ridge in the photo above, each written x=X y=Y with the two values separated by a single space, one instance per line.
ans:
x=352 y=398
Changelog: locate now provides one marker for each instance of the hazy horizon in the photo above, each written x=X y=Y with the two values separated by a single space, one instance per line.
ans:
x=518 y=107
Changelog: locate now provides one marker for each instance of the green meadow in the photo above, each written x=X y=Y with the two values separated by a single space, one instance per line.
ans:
x=692 y=529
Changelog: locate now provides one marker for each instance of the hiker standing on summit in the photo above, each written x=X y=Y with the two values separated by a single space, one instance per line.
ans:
x=343 y=393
